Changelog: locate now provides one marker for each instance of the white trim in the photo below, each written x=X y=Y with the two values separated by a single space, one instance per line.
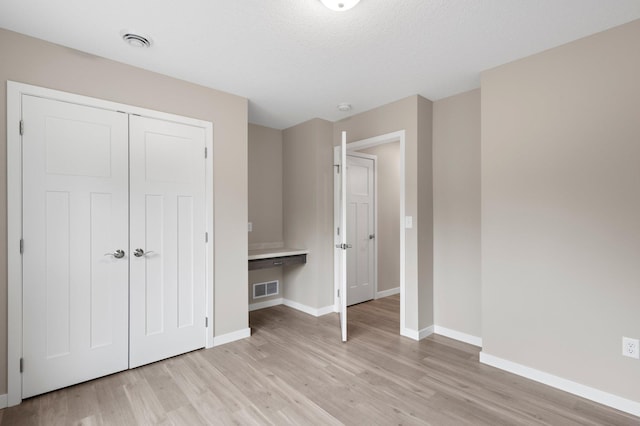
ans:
x=316 y=312
x=457 y=335
x=587 y=392
x=15 y=91
x=398 y=136
x=210 y=246
x=386 y=293
x=4 y=401
x=266 y=304
x=417 y=335
x=231 y=337
x=14 y=234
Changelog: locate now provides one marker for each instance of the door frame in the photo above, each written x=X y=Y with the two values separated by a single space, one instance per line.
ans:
x=398 y=136
x=15 y=91
x=375 y=215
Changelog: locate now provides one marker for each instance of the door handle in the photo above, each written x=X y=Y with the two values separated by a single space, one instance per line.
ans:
x=372 y=236
x=118 y=254
x=140 y=253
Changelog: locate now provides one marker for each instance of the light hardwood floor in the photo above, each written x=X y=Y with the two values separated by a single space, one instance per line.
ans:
x=294 y=370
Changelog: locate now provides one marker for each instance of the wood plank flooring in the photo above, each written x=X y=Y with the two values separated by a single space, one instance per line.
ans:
x=294 y=370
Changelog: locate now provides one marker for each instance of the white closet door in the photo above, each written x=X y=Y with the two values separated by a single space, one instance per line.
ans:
x=167 y=202
x=340 y=218
x=75 y=209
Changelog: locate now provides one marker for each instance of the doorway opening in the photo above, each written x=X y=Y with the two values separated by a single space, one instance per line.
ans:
x=367 y=146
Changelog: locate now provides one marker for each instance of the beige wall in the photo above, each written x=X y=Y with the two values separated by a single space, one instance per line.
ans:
x=412 y=114
x=308 y=211
x=265 y=185
x=561 y=210
x=32 y=61
x=265 y=200
x=456 y=182
x=424 y=165
x=388 y=209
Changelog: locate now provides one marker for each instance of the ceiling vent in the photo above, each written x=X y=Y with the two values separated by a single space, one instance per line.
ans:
x=136 y=40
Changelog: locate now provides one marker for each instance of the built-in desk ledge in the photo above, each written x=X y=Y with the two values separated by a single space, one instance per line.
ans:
x=269 y=258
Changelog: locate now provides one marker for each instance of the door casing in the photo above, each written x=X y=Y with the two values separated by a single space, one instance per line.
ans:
x=15 y=91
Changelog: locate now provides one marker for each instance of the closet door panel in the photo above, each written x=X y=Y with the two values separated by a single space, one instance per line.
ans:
x=168 y=232
x=75 y=210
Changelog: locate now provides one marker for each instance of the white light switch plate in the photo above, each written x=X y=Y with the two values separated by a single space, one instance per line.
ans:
x=408 y=222
x=250 y=227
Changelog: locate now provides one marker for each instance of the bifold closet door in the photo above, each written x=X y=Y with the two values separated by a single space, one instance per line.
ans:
x=75 y=218
x=167 y=240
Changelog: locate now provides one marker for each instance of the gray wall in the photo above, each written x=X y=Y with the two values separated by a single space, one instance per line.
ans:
x=561 y=210
x=308 y=211
x=32 y=61
x=265 y=185
x=456 y=212
x=388 y=203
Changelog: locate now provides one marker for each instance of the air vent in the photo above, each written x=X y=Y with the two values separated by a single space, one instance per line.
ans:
x=265 y=289
x=136 y=40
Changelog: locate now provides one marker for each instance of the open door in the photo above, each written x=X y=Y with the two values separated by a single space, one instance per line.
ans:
x=340 y=218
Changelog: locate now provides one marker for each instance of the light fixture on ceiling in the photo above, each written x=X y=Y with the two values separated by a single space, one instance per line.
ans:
x=344 y=107
x=340 y=5
x=135 y=40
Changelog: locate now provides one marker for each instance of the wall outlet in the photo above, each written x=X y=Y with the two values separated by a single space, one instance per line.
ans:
x=631 y=347
x=250 y=226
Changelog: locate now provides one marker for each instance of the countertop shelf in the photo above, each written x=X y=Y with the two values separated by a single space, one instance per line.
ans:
x=269 y=258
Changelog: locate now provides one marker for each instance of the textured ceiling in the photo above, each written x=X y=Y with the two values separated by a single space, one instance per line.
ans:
x=296 y=60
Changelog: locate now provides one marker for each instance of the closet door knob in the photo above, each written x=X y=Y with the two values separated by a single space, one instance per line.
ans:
x=140 y=253
x=118 y=254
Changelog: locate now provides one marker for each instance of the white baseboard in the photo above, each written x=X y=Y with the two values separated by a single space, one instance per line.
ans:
x=4 y=401
x=316 y=312
x=417 y=334
x=587 y=392
x=457 y=335
x=231 y=337
x=265 y=304
x=390 y=292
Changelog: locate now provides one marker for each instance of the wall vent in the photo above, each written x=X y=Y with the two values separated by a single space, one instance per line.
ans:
x=265 y=289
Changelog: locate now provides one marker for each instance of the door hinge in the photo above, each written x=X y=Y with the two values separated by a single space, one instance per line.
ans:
x=21 y=246
x=338 y=230
x=206 y=152
x=21 y=365
x=206 y=322
x=206 y=237
x=338 y=166
x=338 y=292
x=21 y=127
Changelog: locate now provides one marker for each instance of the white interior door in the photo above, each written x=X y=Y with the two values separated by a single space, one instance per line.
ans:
x=75 y=212
x=360 y=226
x=167 y=239
x=340 y=219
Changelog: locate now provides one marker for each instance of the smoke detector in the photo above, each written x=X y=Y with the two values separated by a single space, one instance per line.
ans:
x=344 y=107
x=340 y=5
x=136 y=40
